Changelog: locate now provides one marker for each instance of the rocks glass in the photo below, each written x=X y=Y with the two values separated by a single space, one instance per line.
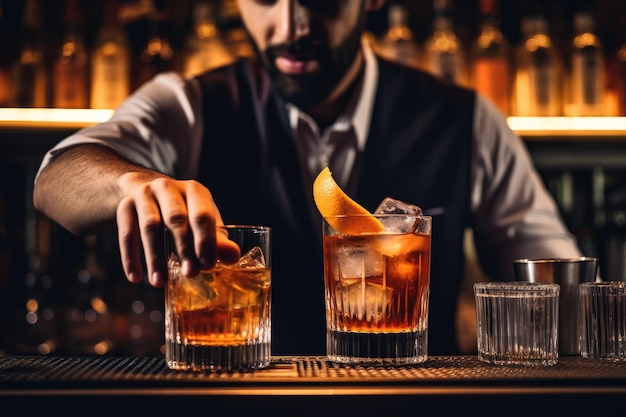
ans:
x=219 y=320
x=377 y=290
x=517 y=323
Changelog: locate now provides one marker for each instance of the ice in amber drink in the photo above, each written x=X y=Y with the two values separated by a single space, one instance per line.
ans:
x=219 y=320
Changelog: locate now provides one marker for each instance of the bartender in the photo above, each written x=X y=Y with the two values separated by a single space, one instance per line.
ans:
x=243 y=143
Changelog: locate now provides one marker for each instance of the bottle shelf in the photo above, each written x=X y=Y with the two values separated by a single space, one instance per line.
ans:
x=50 y=119
x=569 y=128
x=530 y=128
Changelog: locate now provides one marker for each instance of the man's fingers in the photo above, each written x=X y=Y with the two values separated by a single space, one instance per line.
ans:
x=129 y=242
x=187 y=210
x=227 y=250
x=151 y=230
x=202 y=217
x=172 y=204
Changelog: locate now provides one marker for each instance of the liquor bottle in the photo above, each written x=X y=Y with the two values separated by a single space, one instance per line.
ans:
x=621 y=70
x=587 y=72
x=617 y=65
x=110 y=62
x=70 y=86
x=398 y=43
x=4 y=67
x=538 y=88
x=4 y=85
x=205 y=48
x=157 y=54
x=491 y=68
x=29 y=77
x=615 y=91
x=444 y=52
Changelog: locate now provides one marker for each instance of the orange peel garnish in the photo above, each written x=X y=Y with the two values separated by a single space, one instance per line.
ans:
x=332 y=201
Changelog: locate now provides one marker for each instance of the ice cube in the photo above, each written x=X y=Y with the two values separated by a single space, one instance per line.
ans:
x=398 y=223
x=359 y=263
x=191 y=292
x=252 y=259
x=248 y=287
x=173 y=266
x=392 y=206
x=198 y=292
x=242 y=294
x=365 y=300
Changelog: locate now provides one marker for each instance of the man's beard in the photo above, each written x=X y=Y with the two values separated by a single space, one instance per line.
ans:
x=308 y=90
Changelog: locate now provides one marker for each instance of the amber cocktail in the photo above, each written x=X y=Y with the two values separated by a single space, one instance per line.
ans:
x=220 y=319
x=377 y=291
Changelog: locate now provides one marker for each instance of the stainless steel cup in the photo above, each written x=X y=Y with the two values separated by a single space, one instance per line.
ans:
x=568 y=273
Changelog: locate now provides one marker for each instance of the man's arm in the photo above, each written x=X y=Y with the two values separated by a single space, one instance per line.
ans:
x=514 y=215
x=89 y=188
x=82 y=188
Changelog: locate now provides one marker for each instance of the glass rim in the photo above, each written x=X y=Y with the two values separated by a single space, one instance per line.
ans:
x=516 y=287
x=603 y=284
x=244 y=227
x=556 y=260
x=417 y=216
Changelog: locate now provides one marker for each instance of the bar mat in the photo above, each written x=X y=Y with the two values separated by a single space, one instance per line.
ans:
x=44 y=370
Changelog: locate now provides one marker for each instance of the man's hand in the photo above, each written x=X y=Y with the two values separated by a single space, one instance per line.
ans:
x=186 y=209
x=88 y=188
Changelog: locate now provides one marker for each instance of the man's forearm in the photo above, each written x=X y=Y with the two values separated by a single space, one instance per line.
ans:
x=82 y=188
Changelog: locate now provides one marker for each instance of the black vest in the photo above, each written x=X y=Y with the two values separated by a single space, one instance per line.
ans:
x=418 y=151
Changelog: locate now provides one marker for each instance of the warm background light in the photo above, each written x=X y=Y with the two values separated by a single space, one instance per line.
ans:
x=568 y=126
x=29 y=118
x=23 y=118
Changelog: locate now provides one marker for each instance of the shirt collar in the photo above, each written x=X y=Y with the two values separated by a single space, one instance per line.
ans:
x=363 y=112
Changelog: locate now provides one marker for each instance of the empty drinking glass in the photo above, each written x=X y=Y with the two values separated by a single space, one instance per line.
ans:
x=603 y=320
x=517 y=322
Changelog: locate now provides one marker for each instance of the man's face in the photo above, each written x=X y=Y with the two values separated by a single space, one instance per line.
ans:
x=307 y=45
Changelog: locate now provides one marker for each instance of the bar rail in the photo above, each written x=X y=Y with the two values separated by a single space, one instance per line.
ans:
x=303 y=386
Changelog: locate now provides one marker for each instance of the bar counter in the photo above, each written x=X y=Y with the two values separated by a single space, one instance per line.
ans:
x=311 y=386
